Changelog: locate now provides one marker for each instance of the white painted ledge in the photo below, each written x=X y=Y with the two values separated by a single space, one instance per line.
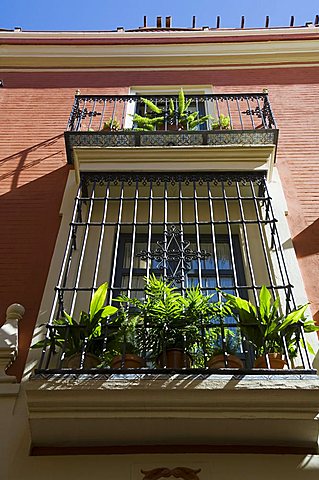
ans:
x=178 y=409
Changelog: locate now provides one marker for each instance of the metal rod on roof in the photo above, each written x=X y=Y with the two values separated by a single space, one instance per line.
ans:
x=194 y=22
x=292 y=21
x=242 y=23
x=168 y=22
x=317 y=20
x=159 y=22
x=145 y=21
x=218 y=21
x=267 y=21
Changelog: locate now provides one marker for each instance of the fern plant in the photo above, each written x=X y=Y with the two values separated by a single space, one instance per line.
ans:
x=166 y=319
x=177 y=114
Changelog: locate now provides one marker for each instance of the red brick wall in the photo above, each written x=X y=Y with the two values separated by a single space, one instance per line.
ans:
x=33 y=167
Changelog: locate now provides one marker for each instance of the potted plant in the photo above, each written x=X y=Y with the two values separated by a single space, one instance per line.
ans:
x=123 y=351
x=111 y=125
x=171 y=326
x=82 y=338
x=224 y=349
x=176 y=117
x=270 y=332
x=223 y=123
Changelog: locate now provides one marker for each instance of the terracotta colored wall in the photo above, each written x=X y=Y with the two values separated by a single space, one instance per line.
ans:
x=33 y=167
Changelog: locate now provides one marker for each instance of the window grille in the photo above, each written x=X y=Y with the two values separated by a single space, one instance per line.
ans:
x=119 y=221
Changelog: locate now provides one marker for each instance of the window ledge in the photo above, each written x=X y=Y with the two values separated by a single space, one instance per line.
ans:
x=140 y=409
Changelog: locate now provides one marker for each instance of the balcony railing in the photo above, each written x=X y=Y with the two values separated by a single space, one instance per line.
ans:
x=110 y=121
x=234 y=354
x=245 y=111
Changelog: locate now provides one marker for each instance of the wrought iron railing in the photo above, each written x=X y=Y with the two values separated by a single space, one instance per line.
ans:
x=240 y=111
x=202 y=356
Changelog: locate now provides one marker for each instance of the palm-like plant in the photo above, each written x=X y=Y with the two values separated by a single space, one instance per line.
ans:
x=177 y=114
x=85 y=334
x=265 y=326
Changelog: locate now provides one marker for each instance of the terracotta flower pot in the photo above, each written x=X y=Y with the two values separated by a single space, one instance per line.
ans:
x=276 y=361
x=90 y=361
x=174 y=358
x=218 y=361
x=130 y=361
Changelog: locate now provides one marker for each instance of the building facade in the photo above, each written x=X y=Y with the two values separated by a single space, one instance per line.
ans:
x=188 y=154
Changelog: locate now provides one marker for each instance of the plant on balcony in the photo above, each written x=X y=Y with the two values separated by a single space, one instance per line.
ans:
x=171 y=327
x=82 y=336
x=111 y=125
x=268 y=330
x=177 y=117
x=122 y=348
x=223 y=350
x=223 y=123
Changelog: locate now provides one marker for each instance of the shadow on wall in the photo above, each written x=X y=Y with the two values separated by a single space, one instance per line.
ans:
x=31 y=218
x=23 y=160
x=307 y=242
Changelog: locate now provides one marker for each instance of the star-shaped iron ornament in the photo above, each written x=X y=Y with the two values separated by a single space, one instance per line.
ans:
x=174 y=255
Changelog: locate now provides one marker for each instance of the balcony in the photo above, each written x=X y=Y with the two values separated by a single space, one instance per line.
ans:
x=236 y=126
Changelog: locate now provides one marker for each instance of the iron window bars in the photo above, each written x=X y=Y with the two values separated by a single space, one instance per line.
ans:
x=227 y=219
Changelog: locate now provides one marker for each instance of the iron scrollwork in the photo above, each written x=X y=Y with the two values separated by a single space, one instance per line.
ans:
x=173 y=255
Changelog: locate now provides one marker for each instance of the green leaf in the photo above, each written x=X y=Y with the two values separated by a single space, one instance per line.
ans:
x=310 y=349
x=294 y=317
x=187 y=104
x=171 y=107
x=264 y=302
x=309 y=326
x=69 y=318
x=152 y=105
x=199 y=121
x=98 y=299
x=108 y=311
x=181 y=102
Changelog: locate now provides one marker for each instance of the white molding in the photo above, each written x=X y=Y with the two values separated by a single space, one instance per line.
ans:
x=143 y=159
x=160 y=55
x=201 y=410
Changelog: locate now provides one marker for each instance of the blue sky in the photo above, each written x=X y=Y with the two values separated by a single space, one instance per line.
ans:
x=109 y=14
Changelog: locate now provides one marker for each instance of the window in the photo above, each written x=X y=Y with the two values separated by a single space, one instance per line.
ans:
x=207 y=229
x=183 y=276
x=116 y=216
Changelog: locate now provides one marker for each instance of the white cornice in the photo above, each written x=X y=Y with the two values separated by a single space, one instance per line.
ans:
x=160 y=55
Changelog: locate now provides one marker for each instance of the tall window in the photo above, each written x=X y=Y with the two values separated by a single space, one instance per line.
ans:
x=122 y=228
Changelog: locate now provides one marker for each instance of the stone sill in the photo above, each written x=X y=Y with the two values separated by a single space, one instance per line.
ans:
x=179 y=409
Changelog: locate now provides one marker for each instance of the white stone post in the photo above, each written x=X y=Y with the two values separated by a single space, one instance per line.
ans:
x=9 y=340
